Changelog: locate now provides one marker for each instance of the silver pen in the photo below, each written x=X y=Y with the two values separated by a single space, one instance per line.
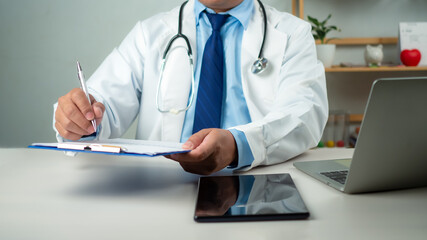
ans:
x=84 y=88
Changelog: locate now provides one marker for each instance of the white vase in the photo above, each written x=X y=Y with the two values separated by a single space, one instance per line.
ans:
x=326 y=54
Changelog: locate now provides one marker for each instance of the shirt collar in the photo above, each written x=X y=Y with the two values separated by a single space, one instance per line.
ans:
x=241 y=12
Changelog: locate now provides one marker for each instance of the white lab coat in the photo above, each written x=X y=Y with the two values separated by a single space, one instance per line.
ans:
x=287 y=103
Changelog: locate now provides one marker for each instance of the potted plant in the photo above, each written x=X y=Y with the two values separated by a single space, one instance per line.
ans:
x=325 y=51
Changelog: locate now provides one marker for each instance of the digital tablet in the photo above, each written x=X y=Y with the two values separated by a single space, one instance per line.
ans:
x=248 y=198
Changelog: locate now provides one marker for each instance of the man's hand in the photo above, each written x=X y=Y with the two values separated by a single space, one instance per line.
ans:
x=211 y=150
x=74 y=114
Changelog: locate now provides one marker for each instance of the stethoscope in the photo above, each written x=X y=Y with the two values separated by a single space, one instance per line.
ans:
x=258 y=66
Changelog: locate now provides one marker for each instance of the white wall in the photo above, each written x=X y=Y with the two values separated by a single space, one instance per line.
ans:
x=41 y=40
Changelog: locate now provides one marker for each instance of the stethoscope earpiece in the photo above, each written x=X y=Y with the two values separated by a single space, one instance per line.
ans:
x=259 y=65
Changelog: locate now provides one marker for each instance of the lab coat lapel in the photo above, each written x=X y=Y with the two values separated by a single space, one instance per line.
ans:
x=176 y=85
x=259 y=89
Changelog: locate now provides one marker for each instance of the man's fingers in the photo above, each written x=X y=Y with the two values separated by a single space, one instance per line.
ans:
x=98 y=109
x=70 y=112
x=196 y=139
x=190 y=157
x=67 y=134
x=205 y=169
x=216 y=150
x=195 y=156
x=92 y=99
x=67 y=123
x=79 y=98
x=73 y=114
x=203 y=146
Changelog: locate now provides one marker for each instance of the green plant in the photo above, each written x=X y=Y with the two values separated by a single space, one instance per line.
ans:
x=320 y=29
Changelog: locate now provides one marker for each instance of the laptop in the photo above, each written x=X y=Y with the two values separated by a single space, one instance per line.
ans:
x=391 y=149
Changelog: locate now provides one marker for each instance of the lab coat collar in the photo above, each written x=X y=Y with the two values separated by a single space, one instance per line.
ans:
x=259 y=89
x=240 y=12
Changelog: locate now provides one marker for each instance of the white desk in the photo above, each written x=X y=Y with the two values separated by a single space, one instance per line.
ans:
x=46 y=195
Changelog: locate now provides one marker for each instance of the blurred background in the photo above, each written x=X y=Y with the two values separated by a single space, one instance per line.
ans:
x=41 y=40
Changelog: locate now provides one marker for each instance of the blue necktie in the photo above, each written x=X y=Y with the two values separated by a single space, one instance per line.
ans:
x=209 y=96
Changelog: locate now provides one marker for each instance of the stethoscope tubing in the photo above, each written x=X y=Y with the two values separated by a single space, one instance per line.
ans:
x=190 y=56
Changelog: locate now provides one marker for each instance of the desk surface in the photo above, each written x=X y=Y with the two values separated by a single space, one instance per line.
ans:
x=47 y=195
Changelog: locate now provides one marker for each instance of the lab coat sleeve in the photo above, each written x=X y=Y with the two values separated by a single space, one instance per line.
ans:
x=117 y=84
x=297 y=118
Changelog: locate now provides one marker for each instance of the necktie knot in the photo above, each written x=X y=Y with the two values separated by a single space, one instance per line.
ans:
x=217 y=20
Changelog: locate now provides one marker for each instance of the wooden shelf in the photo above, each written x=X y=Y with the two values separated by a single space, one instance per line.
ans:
x=362 y=41
x=355 y=118
x=375 y=69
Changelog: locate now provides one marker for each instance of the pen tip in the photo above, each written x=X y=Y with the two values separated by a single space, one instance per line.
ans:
x=78 y=66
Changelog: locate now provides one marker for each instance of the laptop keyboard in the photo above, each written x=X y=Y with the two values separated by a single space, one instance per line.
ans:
x=338 y=176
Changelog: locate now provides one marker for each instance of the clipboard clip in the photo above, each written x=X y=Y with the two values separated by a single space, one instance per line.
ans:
x=105 y=148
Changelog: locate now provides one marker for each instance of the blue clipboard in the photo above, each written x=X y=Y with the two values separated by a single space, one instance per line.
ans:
x=126 y=147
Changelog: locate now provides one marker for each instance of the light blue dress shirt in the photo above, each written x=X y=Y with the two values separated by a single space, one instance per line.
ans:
x=235 y=110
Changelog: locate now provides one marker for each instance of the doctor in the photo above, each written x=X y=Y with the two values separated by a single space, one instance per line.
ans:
x=264 y=118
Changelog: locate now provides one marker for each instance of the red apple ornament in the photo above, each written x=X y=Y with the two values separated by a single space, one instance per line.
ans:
x=410 y=58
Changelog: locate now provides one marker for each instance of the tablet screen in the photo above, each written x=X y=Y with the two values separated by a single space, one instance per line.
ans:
x=248 y=198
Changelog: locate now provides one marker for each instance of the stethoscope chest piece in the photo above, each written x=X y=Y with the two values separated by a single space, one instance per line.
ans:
x=259 y=65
